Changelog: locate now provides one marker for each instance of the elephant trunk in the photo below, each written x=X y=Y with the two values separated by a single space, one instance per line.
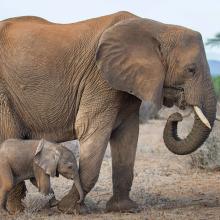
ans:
x=203 y=123
x=79 y=188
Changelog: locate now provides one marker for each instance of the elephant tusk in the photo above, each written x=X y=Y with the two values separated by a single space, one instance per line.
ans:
x=202 y=116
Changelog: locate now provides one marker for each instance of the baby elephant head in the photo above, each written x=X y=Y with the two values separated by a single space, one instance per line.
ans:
x=55 y=159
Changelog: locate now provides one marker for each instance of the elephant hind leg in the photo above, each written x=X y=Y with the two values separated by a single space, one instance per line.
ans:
x=10 y=128
x=8 y=124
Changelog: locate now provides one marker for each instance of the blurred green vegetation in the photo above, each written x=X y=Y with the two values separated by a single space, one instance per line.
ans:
x=216 y=81
x=214 y=41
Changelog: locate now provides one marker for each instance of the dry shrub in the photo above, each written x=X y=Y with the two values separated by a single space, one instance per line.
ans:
x=208 y=156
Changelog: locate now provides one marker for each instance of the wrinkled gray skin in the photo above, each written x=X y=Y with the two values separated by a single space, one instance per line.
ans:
x=38 y=161
x=86 y=80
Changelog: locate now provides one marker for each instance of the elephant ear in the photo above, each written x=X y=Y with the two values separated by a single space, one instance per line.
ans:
x=129 y=59
x=47 y=157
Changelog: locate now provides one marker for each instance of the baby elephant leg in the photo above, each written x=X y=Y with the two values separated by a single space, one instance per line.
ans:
x=6 y=180
x=3 y=200
x=52 y=201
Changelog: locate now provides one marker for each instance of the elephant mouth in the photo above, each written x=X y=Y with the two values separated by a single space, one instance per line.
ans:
x=174 y=96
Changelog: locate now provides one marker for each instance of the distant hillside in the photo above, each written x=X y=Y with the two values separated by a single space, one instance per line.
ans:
x=214 y=67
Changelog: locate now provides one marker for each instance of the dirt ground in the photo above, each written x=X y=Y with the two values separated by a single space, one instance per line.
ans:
x=165 y=186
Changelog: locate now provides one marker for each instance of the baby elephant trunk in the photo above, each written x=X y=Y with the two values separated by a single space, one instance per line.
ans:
x=79 y=188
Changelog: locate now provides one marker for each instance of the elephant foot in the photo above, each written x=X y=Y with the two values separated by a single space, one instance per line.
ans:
x=76 y=209
x=69 y=204
x=116 y=204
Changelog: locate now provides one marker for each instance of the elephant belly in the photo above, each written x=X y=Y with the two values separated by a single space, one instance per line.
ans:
x=47 y=118
x=47 y=112
x=58 y=135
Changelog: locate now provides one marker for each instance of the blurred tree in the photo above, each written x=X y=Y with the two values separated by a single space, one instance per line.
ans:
x=216 y=82
x=214 y=41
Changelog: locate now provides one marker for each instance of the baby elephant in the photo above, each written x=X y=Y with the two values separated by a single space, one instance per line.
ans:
x=36 y=160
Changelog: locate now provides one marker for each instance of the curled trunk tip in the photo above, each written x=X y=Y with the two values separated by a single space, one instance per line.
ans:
x=191 y=143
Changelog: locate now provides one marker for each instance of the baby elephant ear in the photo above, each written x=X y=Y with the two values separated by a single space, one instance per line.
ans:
x=129 y=59
x=47 y=157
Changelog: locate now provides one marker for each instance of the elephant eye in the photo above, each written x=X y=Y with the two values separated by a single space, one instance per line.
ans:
x=191 y=69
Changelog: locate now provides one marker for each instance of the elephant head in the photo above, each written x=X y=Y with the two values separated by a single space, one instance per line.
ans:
x=164 y=64
x=52 y=160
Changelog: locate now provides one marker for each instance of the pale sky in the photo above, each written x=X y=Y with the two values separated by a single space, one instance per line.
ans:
x=200 y=15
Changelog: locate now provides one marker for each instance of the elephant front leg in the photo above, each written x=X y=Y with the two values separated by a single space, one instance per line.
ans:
x=123 y=148
x=91 y=155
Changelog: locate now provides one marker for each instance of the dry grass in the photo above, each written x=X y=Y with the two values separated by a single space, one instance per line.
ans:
x=165 y=186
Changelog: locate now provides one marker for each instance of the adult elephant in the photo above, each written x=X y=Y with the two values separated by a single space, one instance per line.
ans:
x=86 y=80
